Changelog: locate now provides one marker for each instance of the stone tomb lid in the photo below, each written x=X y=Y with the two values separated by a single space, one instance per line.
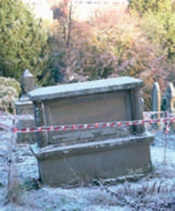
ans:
x=83 y=88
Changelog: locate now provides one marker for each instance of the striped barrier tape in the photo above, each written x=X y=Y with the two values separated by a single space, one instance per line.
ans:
x=167 y=127
x=94 y=125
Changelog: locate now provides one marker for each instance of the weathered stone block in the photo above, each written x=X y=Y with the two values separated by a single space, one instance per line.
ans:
x=84 y=162
x=25 y=107
x=73 y=156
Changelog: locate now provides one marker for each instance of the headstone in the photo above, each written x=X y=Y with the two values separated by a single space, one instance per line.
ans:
x=24 y=106
x=156 y=102
x=156 y=98
x=79 y=156
x=168 y=101
x=170 y=93
x=27 y=83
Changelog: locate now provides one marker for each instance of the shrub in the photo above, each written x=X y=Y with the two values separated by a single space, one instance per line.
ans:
x=9 y=92
x=111 y=45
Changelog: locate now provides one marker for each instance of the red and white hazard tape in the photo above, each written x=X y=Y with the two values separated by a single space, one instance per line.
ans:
x=93 y=126
x=167 y=128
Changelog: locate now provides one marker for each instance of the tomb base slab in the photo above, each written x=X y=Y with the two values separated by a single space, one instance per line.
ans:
x=84 y=162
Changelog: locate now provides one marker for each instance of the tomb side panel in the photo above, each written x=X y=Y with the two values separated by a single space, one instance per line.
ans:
x=104 y=107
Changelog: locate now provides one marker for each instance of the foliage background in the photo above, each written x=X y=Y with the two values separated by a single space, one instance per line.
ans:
x=137 y=41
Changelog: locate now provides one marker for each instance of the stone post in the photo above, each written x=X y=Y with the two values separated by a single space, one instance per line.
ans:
x=24 y=106
x=27 y=83
x=42 y=137
x=137 y=111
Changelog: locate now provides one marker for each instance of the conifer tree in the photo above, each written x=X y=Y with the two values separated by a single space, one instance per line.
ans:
x=22 y=40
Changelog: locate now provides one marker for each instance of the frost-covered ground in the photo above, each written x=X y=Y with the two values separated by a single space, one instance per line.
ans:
x=155 y=191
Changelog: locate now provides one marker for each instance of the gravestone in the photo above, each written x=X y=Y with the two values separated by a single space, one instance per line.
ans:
x=27 y=83
x=169 y=98
x=24 y=106
x=170 y=95
x=78 y=156
x=156 y=102
x=156 y=98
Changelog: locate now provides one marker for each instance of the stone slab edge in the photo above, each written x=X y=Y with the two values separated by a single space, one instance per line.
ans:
x=83 y=88
x=53 y=151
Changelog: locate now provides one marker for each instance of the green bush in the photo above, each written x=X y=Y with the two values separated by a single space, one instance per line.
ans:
x=9 y=93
